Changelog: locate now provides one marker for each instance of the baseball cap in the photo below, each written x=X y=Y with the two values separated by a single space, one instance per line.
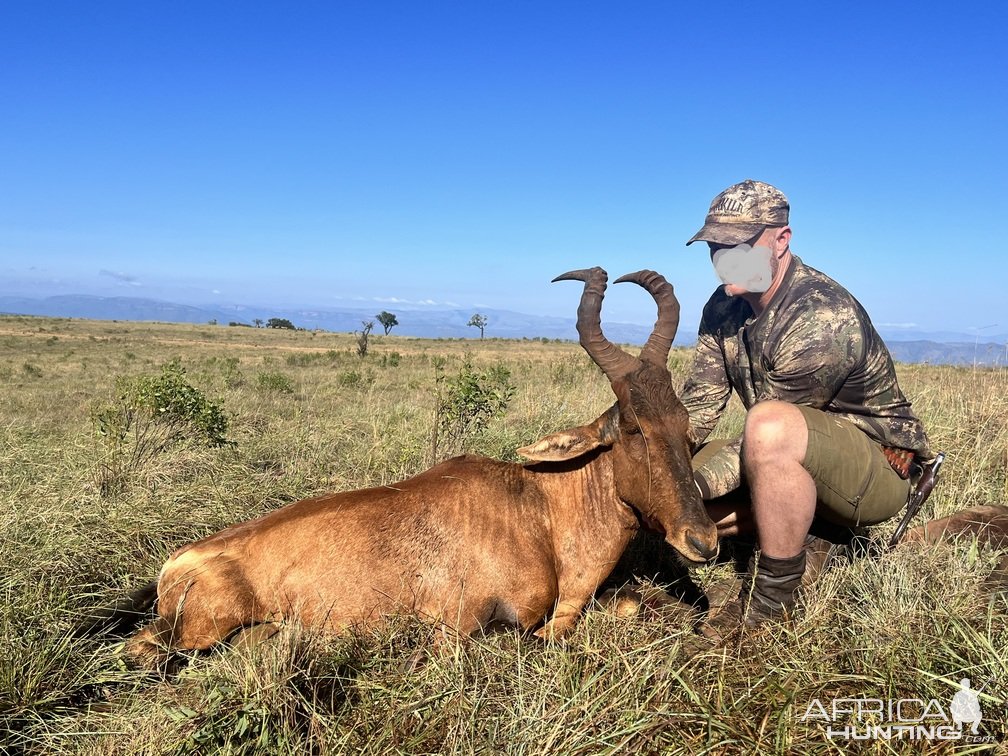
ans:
x=741 y=212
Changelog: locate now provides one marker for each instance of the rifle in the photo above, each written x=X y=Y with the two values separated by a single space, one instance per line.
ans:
x=918 y=495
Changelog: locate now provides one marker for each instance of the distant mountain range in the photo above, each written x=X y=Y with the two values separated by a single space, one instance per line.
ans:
x=905 y=344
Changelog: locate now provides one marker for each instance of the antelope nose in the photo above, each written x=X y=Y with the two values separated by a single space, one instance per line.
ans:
x=707 y=552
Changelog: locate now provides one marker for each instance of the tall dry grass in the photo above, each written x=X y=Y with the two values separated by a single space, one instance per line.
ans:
x=308 y=415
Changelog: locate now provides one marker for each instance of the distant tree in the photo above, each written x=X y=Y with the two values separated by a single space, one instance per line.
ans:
x=478 y=321
x=212 y=321
x=258 y=322
x=362 y=337
x=387 y=319
x=280 y=323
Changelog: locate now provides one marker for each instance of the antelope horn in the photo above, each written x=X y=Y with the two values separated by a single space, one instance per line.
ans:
x=656 y=350
x=612 y=360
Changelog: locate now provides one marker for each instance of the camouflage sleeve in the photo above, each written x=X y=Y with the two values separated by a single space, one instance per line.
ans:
x=808 y=366
x=813 y=359
x=721 y=473
x=705 y=396
x=706 y=391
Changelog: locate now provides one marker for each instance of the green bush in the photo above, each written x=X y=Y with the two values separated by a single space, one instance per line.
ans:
x=275 y=381
x=570 y=371
x=307 y=359
x=356 y=378
x=233 y=377
x=468 y=402
x=149 y=414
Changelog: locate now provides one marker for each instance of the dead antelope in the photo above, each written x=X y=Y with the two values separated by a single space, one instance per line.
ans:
x=470 y=542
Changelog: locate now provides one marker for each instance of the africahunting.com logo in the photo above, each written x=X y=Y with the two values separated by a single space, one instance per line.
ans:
x=902 y=718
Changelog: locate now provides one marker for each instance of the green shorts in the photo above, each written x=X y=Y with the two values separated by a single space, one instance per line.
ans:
x=854 y=483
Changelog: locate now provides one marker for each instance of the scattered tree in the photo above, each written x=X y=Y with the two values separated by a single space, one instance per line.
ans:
x=362 y=337
x=388 y=320
x=258 y=322
x=280 y=323
x=478 y=321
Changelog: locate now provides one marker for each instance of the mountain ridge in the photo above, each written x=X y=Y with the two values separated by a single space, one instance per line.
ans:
x=905 y=345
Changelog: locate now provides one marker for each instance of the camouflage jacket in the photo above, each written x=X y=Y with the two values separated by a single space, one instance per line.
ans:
x=813 y=345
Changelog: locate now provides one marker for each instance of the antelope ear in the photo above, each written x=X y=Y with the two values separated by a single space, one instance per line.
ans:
x=573 y=442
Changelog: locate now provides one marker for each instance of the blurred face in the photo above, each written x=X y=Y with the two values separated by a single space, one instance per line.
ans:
x=754 y=266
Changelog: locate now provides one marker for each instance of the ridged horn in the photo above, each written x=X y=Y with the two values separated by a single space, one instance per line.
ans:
x=612 y=360
x=656 y=350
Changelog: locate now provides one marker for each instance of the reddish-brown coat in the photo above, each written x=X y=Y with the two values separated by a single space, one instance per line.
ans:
x=470 y=542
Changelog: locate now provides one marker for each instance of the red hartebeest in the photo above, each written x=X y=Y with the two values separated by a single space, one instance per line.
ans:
x=470 y=542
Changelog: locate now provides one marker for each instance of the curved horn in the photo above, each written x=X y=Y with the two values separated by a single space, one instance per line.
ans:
x=656 y=349
x=613 y=361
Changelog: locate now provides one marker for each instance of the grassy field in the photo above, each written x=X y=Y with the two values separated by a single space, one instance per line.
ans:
x=82 y=519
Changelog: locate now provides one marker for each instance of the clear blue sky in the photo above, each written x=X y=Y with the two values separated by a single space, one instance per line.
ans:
x=467 y=152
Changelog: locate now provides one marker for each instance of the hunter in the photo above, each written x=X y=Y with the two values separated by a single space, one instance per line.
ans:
x=828 y=433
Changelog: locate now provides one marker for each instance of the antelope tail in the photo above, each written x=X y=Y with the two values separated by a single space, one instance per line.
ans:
x=123 y=613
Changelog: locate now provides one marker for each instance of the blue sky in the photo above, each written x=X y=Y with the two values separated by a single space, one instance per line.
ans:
x=423 y=154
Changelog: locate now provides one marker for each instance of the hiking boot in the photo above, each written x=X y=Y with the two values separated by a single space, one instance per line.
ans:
x=820 y=555
x=769 y=591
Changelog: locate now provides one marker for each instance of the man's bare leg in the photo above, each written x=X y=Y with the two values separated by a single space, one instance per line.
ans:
x=783 y=497
x=783 y=493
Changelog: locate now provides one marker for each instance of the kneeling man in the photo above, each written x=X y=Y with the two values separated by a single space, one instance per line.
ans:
x=828 y=432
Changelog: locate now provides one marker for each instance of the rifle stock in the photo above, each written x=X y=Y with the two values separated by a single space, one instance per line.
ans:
x=918 y=495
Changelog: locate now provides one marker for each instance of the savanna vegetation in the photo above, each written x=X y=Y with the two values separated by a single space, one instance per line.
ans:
x=120 y=442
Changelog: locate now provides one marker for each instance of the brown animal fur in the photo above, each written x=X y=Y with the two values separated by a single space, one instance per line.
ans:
x=988 y=523
x=470 y=542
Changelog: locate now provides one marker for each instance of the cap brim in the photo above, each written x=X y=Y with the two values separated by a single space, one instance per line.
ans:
x=727 y=233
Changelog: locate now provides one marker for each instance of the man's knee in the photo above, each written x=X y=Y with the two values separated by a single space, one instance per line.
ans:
x=774 y=428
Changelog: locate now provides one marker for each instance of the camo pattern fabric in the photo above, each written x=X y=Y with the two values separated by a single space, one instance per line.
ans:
x=813 y=345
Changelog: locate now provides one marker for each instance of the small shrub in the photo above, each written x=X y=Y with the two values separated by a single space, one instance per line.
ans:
x=362 y=337
x=391 y=359
x=569 y=371
x=468 y=402
x=31 y=371
x=275 y=381
x=148 y=415
x=233 y=377
x=307 y=359
x=356 y=379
